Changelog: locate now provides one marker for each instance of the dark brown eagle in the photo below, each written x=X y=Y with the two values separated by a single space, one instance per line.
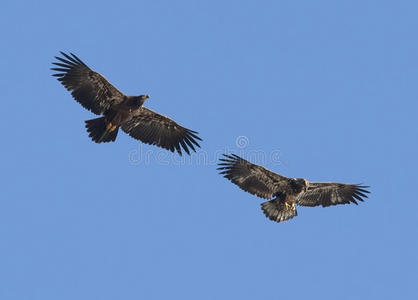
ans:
x=286 y=192
x=96 y=94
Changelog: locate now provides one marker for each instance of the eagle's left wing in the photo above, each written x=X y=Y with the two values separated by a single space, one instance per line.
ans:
x=155 y=129
x=332 y=193
x=87 y=87
x=252 y=178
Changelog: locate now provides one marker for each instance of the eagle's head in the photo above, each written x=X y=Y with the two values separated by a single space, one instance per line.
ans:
x=143 y=98
x=303 y=183
x=139 y=100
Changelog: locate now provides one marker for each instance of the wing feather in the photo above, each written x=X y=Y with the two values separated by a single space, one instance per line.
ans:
x=155 y=129
x=250 y=177
x=87 y=87
x=332 y=193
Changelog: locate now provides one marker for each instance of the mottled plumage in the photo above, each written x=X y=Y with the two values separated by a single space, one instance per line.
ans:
x=96 y=94
x=285 y=192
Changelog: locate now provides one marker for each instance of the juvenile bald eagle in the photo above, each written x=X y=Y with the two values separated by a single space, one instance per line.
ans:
x=286 y=192
x=96 y=94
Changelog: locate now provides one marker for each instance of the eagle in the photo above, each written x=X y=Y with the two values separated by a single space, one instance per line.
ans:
x=284 y=193
x=118 y=110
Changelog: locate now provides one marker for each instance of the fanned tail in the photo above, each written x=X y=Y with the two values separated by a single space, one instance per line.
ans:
x=278 y=211
x=101 y=131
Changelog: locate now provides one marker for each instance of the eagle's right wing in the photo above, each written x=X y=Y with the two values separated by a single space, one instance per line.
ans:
x=155 y=129
x=251 y=178
x=87 y=87
x=332 y=193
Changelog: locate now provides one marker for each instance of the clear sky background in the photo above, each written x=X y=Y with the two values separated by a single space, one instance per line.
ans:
x=325 y=90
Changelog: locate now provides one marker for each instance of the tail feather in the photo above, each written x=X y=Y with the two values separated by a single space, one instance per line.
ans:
x=98 y=132
x=278 y=211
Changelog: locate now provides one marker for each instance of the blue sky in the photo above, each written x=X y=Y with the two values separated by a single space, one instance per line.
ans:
x=324 y=90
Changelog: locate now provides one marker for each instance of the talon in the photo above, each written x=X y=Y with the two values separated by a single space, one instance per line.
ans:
x=290 y=206
x=109 y=126
x=113 y=128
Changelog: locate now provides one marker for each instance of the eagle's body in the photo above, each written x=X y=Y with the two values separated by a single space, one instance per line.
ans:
x=118 y=110
x=123 y=112
x=285 y=192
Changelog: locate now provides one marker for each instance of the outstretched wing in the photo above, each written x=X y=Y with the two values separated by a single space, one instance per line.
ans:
x=155 y=129
x=332 y=193
x=89 y=88
x=251 y=178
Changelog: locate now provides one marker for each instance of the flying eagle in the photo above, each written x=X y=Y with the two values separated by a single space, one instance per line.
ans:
x=286 y=192
x=96 y=94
